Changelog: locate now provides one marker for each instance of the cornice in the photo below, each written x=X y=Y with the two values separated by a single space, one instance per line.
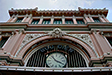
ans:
x=36 y=12
x=13 y=24
x=99 y=24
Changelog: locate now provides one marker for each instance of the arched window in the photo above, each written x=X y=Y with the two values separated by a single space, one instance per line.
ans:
x=56 y=56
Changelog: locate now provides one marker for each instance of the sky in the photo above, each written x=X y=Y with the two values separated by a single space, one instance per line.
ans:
x=6 y=5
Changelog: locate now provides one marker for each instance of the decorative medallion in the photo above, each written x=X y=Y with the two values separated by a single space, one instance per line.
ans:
x=57 y=33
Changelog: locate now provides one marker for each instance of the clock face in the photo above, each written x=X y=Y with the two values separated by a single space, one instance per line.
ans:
x=56 y=60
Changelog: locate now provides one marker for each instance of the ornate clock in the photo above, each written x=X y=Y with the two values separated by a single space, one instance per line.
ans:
x=56 y=60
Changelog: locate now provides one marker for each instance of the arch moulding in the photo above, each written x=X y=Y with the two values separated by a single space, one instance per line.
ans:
x=83 y=44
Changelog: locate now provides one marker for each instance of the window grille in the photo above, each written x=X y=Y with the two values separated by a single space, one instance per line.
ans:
x=35 y=22
x=46 y=22
x=96 y=20
x=74 y=59
x=68 y=21
x=19 y=20
x=57 y=22
x=80 y=21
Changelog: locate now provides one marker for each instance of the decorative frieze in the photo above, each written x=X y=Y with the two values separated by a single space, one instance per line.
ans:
x=6 y=34
x=30 y=37
x=108 y=34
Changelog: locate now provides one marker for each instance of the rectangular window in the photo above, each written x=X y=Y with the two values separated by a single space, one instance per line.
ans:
x=2 y=41
x=35 y=21
x=19 y=20
x=109 y=40
x=57 y=21
x=68 y=21
x=96 y=19
x=46 y=21
x=80 y=21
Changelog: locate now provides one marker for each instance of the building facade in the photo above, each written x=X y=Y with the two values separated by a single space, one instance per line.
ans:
x=75 y=42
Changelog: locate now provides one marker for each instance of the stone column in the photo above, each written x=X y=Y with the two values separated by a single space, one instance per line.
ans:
x=86 y=17
x=105 y=18
x=101 y=19
x=52 y=19
x=63 y=19
x=41 y=19
x=74 y=20
x=91 y=18
x=14 y=19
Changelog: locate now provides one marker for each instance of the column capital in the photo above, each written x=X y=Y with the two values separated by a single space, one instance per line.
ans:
x=74 y=17
x=52 y=17
x=99 y=15
x=41 y=17
x=103 y=16
x=85 y=15
x=89 y=15
x=63 y=17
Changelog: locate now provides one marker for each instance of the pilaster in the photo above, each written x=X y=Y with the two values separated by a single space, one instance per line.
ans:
x=101 y=19
x=41 y=19
x=11 y=18
x=13 y=43
x=29 y=19
x=101 y=45
x=90 y=17
x=63 y=19
x=86 y=17
x=105 y=18
x=52 y=19
x=14 y=19
x=24 y=19
x=74 y=20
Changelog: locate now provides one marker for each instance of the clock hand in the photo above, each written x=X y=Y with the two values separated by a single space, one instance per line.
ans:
x=57 y=60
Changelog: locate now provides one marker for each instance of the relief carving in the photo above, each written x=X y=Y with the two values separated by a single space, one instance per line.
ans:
x=30 y=37
x=84 y=37
x=57 y=33
x=108 y=34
